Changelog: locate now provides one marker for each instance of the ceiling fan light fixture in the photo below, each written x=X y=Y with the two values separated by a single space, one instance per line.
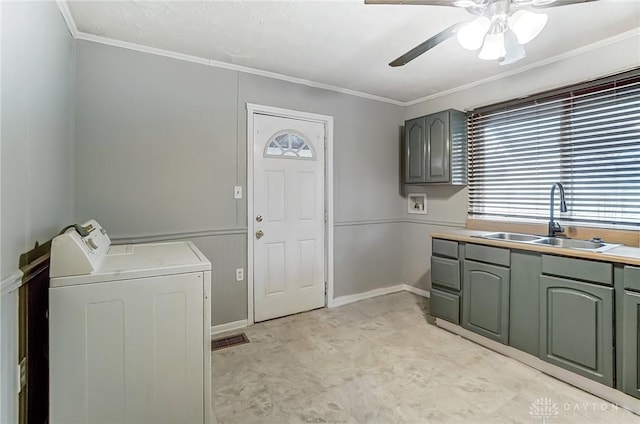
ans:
x=515 y=50
x=527 y=25
x=542 y=2
x=493 y=47
x=464 y=3
x=471 y=35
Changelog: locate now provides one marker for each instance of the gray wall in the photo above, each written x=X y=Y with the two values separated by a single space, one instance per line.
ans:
x=36 y=153
x=37 y=148
x=160 y=143
x=447 y=206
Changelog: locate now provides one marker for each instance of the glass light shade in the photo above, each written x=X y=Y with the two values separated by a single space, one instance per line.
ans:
x=515 y=50
x=464 y=3
x=493 y=47
x=470 y=35
x=527 y=25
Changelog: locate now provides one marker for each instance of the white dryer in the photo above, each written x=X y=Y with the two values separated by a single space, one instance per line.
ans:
x=129 y=330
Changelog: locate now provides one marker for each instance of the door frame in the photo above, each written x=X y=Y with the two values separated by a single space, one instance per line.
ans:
x=327 y=121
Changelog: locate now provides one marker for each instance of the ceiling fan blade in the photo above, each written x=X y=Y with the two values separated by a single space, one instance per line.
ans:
x=415 y=2
x=429 y=44
x=559 y=3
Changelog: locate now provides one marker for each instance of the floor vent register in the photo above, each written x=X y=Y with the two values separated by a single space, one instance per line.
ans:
x=229 y=341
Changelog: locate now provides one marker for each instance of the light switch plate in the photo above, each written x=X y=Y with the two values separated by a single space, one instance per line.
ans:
x=237 y=192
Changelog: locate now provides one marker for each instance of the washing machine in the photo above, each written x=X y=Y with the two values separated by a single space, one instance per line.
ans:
x=129 y=330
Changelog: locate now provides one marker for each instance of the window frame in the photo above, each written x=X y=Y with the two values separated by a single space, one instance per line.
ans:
x=284 y=155
x=566 y=97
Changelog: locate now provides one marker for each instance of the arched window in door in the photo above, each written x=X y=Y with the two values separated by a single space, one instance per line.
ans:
x=289 y=144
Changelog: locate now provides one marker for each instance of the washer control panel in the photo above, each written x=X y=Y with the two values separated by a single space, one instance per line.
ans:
x=73 y=253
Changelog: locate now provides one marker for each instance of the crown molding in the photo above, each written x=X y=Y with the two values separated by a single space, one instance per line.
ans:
x=79 y=35
x=584 y=49
x=68 y=17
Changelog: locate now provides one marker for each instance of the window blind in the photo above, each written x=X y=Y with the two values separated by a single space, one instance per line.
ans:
x=585 y=136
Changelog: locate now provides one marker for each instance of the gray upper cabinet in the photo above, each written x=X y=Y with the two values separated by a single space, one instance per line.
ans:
x=415 y=150
x=436 y=149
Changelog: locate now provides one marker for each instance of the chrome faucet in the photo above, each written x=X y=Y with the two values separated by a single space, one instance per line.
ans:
x=554 y=227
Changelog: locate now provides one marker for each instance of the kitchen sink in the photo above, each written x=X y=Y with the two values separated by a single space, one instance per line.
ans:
x=595 y=246
x=565 y=243
x=512 y=237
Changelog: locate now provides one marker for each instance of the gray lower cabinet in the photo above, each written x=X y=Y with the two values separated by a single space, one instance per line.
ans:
x=445 y=280
x=576 y=327
x=524 y=304
x=445 y=305
x=630 y=344
x=485 y=309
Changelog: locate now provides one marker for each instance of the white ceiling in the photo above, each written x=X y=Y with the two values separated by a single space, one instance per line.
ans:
x=345 y=44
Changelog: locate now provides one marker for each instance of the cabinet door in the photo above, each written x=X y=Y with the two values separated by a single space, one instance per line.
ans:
x=415 y=150
x=485 y=300
x=576 y=327
x=438 y=148
x=630 y=347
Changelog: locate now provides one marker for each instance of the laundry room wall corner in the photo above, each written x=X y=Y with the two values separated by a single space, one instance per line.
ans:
x=157 y=158
x=36 y=133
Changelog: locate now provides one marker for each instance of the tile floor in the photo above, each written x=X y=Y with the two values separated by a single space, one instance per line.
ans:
x=383 y=361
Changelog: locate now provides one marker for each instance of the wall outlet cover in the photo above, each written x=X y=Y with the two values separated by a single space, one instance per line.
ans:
x=239 y=274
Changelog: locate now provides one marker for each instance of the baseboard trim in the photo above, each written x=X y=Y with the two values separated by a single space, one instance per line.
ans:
x=605 y=392
x=229 y=326
x=415 y=290
x=339 y=301
x=345 y=300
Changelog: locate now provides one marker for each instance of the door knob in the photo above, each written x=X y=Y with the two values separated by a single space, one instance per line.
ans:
x=259 y=234
x=259 y=218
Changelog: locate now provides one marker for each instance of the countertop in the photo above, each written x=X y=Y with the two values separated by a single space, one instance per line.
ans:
x=623 y=254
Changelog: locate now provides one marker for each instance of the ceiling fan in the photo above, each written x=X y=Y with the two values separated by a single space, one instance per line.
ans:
x=500 y=30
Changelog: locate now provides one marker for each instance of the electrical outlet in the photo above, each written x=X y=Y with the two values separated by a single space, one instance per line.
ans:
x=239 y=274
x=237 y=192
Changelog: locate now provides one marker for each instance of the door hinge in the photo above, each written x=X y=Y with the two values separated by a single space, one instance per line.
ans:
x=326 y=216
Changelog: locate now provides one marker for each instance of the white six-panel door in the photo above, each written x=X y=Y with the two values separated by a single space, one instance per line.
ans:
x=288 y=217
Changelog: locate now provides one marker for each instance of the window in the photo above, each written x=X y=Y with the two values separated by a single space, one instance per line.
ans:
x=289 y=144
x=585 y=136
